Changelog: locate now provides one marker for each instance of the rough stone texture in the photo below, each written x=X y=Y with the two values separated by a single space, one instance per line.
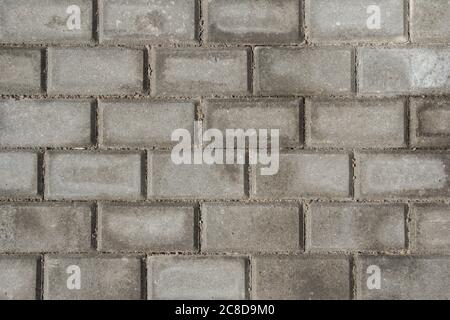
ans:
x=60 y=123
x=305 y=175
x=347 y=20
x=88 y=71
x=18 y=279
x=193 y=72
x=252 y=21
x=144 y=123
x=147 y=228
x=251 y=228
x=429 y=21
x=284 y=115
x=45 y=227
x=303 y=71
x=21 y=71
x=155 y=21
x=102 y=278
x=408 y=278
x=430 y=122
x=196 y=278
x=75 y=175
x=404 y=70
x=37 y=21
x=413 y=175
x=18 y=174
x=355 y=123
x=169 y=180
x=347 y=226
x=432 y=227
x=300 y=277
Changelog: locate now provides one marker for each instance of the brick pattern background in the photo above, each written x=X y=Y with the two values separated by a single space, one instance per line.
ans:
x=86 y=177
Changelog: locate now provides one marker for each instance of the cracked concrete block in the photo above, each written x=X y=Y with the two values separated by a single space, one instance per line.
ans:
x=252 y=21
x=94 y=176
x=18 y=278
x=229 y=227
x=301 y=277
x=127 y=123
x=101 y=277
x=21 y=71
x=154 y=21
x=90 y=71
x=18 y=174
x=46 y=123
x=356 y=227
x=287 y=71
x=147 y=228
x=395 y=71
x=194 y=71
x=196 y=278
x=46 y=21
x=41 y=227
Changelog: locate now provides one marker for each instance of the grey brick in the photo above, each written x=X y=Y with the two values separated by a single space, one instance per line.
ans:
x=144 y=123
x=45 y=227
x=252 y=21
x=45 y=123
x=301 y=277
x=18 y=174
x=38 y=21
x=432 y=227
x=143 y=21
x=429 y=21
x=196 y=278
x=88 y=71
x=83 y=175
x=21 y=71
x=193 y=72
x=18 y=280
x=303 y=175
x=169 y=180
x=251 y=228
x=282 y=114
x=147 y=228
x=303 y=71
x=351 y=226
x=403 y=175
x=355 y=123
x=430 y=122
x=102 y=278
x=404 y=70
x=405 y=278
x=347 y=21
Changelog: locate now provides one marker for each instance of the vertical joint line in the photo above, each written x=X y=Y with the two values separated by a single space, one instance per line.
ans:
x=353 y=280
x=353 y=164
x=144 y=294
x=96 y=20
x=198 y=224
x=199 y=25
x=355 y=70
x=251 y=69
x=44 y=71
x=147 y=71
x=95 y=238
x=41 y=174
x=407 y=103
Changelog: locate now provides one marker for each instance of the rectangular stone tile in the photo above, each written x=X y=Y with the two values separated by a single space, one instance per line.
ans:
x=40 y=227
x=18 y=278
x=100 y=278
x=352 y=226
x=229 y=227
x=18 y=174
x=133 y=228
x=430 y=21
x=403 y=278
x=289 y=71
x=283 y=277
x=144 y=21
x=252 y=21
x=431 y=230
x=196 y=278
x=97 y=176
